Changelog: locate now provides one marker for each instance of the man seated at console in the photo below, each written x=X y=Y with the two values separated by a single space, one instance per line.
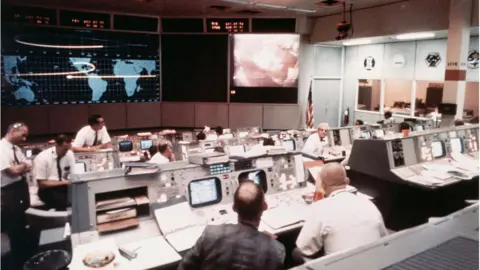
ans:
x=388 y=118
x=317 y=141
x=238 y=246
x=164 y=155
x=339 y=222
x=92 y=137
x=51 y=169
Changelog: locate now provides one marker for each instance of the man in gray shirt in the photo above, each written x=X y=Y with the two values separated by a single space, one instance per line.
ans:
x=238 y=246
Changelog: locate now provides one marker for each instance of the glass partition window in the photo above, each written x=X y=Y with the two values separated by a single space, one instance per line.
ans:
x=470 y=107
x=428 y=96
x=368 y=95
x=398 y=96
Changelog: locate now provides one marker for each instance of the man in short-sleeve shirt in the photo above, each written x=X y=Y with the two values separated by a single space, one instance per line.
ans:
x=92 y=137
x=51 y=170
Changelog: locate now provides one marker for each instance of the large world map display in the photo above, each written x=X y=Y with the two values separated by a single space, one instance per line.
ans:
x=84 y=69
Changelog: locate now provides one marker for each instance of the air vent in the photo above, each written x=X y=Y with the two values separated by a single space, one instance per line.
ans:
x=329 y=3
x=218 y=7
x=248 y=11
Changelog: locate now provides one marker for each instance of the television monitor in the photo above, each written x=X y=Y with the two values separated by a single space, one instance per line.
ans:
x=266 y=60
x=203 y=192
x=438 y=149
x=80 y=167
x=379 y=133
x=366 y=134
x=258 y=176
x=237 y=149
x=419 y=128
x=209 y=150
x=457 y=145
x=146 y=144
x=289 y=145
x=125 y=146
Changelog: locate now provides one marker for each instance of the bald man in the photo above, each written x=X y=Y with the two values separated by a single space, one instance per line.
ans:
x=316 y=142
x=341 y=221
x=238 y=246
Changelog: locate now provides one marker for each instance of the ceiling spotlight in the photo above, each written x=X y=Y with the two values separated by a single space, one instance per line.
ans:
x=415 y=35
x=329 y=3
x=357 y=42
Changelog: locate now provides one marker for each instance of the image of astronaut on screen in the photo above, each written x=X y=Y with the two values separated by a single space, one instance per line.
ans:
x=266 y=60
x=259 y=177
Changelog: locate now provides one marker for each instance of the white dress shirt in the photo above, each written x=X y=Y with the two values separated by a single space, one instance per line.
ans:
x=159 y=159
x=86 y=136
x=7 y=159
x=45 y=165
x=341 y=221
x=314 y=146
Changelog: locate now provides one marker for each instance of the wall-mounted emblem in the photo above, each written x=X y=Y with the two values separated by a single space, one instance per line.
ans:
x=433 y=59
x=398 y=60
x=369 y=63
x=472 y=60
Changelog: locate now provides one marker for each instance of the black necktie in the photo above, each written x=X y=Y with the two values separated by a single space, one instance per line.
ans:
x=59 y=169
x=95 y=141
x=15 y=156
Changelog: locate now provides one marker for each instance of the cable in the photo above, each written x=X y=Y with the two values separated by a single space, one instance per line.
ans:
x=351 y=18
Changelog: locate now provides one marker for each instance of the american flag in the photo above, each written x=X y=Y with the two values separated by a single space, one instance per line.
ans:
x=310 y=120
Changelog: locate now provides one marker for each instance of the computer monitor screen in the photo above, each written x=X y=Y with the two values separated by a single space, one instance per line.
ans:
x=259 y=177
x=366 y=134
x=204 y=192
x=419 y=128
x=457 y=145
x=28 y=153
x=237 y=149
x=379 y=133
x=209 y=150
x=125 y=146
x=438 y=150
x=80 y=167
x=289 y=145
x=146 y=144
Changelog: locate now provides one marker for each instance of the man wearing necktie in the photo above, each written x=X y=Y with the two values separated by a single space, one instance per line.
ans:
x=316 y=142
x=92 y=137
x=51 y=170
x=15 y=197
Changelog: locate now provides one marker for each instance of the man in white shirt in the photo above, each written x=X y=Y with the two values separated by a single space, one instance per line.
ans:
x=15 y=197
x=164 y=154
x=388 y=118
x=315 y=142
x=341 y=221
x=92 y=137
x=51 y=170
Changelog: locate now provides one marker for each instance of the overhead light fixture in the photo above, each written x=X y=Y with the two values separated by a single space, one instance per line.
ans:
x=265 y=5
x=357 y=42
x=415 y=35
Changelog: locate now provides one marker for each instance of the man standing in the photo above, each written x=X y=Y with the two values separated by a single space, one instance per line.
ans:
x=92 y=137
x=15 y=198
x=51 y=170
x=238 y=246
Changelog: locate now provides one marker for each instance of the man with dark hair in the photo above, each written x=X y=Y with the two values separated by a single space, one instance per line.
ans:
x=268 y=142
x=219 y=130
x=92 y=137
x=15 y=197
x=164 y=154
x=238 y=246
x=51 y=170
x=201 y=136
x=388 y=118
x=359 y=122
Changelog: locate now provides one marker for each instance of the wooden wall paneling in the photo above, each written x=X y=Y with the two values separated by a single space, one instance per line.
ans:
x=67 y=118
x=245 y=115
x=281 y=116
x=115 y=114
x=143 y=115
x=178 y=114
x=36 y=117
x=211 y=114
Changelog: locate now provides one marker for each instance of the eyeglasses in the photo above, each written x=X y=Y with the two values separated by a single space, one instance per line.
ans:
x=18 y=125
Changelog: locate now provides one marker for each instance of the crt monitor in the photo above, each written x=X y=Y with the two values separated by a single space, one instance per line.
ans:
x=366 y=134
x=80 y=167
x=125 y=146
x=237 y=149
x=258 y=176
x=146 y=144
x=28 y=153
x=203 y=192
x=438 y=149
x=289 y=145
x=457 y=145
